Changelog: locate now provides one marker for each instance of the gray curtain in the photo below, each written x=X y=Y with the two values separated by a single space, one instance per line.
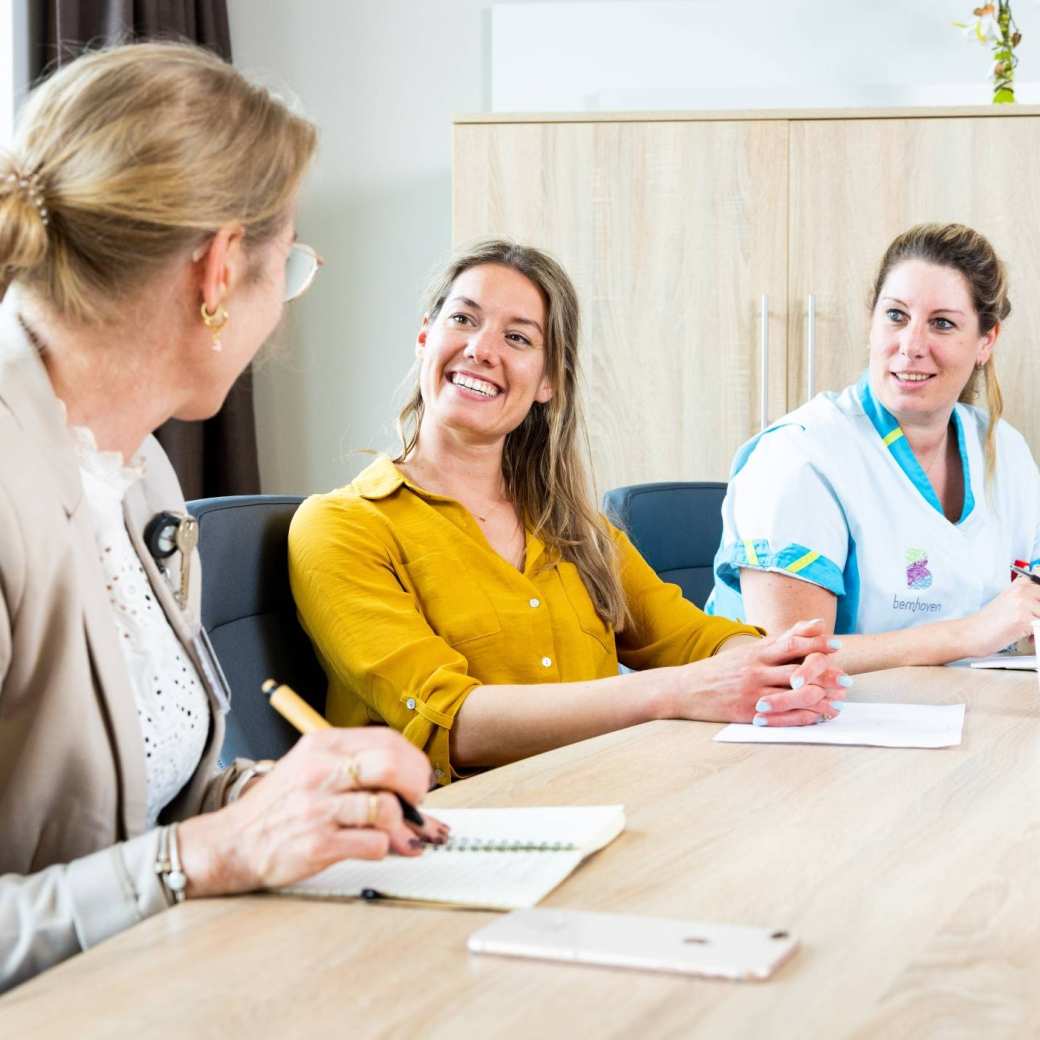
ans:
x=217 y=456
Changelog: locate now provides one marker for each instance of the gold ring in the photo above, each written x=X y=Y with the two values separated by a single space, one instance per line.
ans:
x=353 y=772
x=373 y=810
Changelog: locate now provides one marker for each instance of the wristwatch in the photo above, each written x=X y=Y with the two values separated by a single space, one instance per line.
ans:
x=250 y=773
x=168 y=864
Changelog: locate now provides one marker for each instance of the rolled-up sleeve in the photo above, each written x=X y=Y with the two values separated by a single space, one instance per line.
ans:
x=781 y=514
x=664 y=628
x=359 y=607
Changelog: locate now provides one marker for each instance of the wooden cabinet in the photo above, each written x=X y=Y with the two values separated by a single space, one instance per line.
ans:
x=856 y=183
x=682 y=231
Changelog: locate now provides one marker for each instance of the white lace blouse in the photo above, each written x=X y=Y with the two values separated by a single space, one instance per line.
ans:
x=172 y=705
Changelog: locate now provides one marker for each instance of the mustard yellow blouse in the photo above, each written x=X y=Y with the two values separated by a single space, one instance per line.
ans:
x=410 y=609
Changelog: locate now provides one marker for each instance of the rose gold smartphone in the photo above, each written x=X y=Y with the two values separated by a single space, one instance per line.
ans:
x=725 y=951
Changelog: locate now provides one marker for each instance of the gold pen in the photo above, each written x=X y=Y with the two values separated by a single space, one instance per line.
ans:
x=293 y=708
x=296 y=711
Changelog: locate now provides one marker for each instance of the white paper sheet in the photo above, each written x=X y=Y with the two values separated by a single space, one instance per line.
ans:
x=1014 y=662
x=873 y=725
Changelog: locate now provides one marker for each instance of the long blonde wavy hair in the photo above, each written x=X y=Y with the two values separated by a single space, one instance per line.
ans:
x=964 y=250
x=544 y=459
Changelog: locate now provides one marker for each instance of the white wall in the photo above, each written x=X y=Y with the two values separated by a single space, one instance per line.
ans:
x=7 y=53
x=683 y=54
x=14 y=63
x=383 y=79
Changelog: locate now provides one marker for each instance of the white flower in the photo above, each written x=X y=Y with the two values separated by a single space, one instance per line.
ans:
x=987 y=29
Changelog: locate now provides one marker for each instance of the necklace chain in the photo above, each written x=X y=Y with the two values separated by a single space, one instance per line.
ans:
x=488 y=510
x=937 y=454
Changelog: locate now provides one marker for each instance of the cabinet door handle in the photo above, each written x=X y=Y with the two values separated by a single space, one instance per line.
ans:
x=810 y=347
x=763 y=349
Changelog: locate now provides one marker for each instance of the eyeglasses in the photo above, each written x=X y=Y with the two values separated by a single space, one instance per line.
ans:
x=301 y=265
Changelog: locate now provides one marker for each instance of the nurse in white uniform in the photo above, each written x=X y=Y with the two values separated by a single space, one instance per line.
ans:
x=894 y=509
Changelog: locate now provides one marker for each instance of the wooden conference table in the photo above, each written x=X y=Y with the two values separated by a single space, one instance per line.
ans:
x=910 y=876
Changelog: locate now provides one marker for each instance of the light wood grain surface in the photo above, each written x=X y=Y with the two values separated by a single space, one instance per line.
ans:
x=673 y=229
x=910 y=877
x=672 y=233
x=856 y=184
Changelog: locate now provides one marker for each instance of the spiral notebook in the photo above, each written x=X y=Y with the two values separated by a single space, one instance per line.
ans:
x=496 y=859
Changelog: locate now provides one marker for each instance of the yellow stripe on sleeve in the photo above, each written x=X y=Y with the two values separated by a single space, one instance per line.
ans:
x=803 y=561
x=892 y=436
x=752 y=556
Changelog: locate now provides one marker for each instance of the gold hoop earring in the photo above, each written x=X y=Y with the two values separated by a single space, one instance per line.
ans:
x=215 y=322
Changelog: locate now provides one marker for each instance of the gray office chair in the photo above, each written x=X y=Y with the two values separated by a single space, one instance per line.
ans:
x=250 y=616
x=677 y=527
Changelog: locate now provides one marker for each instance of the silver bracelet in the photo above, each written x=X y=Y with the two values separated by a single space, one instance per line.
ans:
x=168 y=864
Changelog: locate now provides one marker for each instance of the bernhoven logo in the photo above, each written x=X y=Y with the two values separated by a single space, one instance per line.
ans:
x=918 y=578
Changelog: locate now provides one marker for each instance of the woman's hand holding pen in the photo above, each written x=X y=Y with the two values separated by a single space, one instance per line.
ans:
x=786 y=680
x=332 y=797
x=1005 y=619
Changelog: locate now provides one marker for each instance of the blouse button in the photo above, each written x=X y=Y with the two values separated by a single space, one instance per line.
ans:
x=535 y=602
x=438 y=774
x=547 y=662
x=410 y=704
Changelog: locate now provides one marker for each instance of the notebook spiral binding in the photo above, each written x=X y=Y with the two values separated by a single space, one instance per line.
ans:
x=500 y=845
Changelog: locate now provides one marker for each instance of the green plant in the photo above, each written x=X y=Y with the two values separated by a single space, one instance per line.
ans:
x=994 y=27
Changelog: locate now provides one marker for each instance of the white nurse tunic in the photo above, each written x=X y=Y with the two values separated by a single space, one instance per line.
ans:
x=832 y=494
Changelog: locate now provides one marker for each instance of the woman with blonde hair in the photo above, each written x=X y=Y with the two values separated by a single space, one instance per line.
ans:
x=469 y=594
x=146 y=250
x=895 y=509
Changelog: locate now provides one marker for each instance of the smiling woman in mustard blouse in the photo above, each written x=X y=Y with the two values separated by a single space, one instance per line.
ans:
x=468 y=593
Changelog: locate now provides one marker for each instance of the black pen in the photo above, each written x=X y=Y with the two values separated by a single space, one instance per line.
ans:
x=295 y=710
x=1028 y=574
x=373 y=895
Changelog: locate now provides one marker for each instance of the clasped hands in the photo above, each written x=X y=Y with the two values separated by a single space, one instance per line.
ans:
x=784 y=680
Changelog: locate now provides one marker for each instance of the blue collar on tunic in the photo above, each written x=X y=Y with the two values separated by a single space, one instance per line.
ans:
x=894 y=439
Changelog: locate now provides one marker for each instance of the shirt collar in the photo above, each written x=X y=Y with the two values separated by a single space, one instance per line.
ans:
x=382 y=478
x=893 y=438
x=880 y=417
x=378 y=480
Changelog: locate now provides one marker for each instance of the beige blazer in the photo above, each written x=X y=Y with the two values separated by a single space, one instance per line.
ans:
x=76 y=864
